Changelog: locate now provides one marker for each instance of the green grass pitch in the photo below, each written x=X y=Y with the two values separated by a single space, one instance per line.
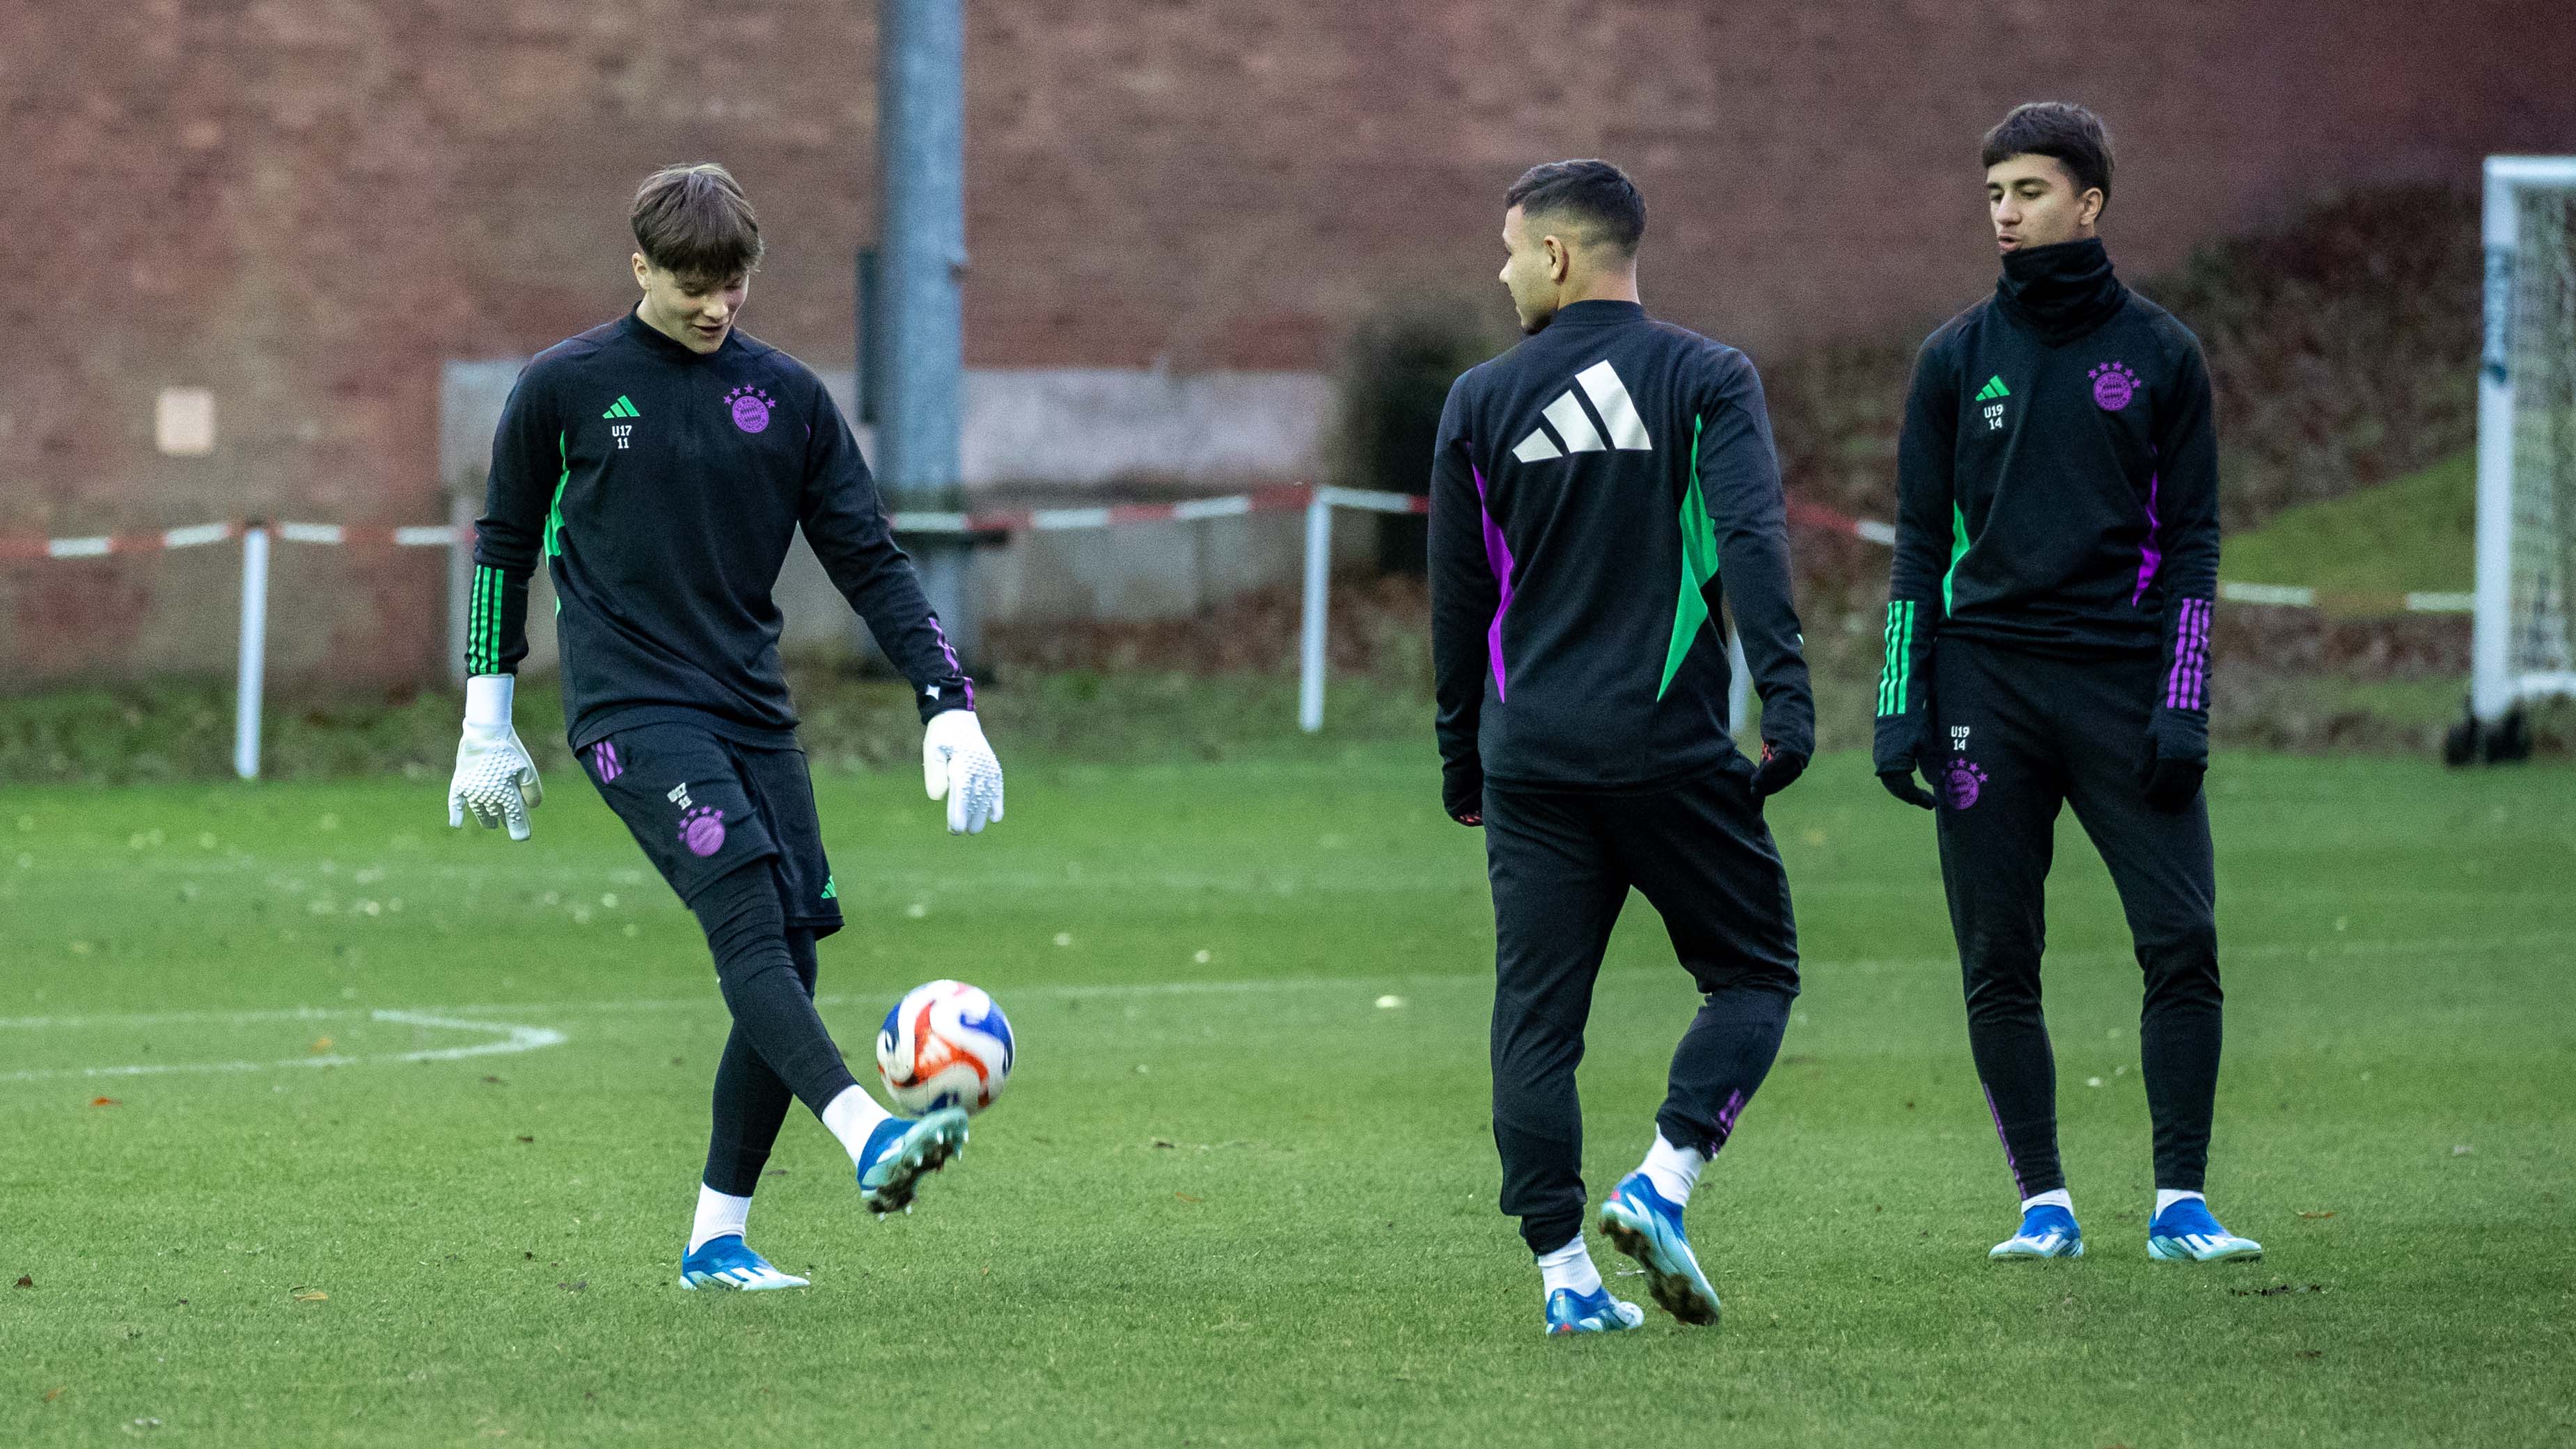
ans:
x=1233 y=1196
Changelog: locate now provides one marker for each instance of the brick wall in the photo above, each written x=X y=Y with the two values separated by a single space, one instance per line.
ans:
x=306 y=205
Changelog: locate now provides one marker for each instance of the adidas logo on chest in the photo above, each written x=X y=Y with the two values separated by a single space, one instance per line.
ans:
x=1570 y=429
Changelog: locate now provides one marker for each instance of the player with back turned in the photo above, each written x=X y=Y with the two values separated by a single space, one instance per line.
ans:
x=1598 y=495
x=659 y=466
x=2048 y=644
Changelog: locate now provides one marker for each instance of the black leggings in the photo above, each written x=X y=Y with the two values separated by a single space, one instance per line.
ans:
x=778 y=1050
x=2023 y=735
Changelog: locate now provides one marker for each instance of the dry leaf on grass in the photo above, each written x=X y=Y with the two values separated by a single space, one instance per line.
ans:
x=2316 y=1215
x=1185 y=1197
x=53 y=1394
x=309 y=1295
x=105 y=1102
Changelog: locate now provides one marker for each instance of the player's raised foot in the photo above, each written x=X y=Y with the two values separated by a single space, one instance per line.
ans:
x=2047 y=1231
x=901 y=1151
x=727 y=1262
x=2186 y=1233
x=1647 y=1226
x=1596 y=1312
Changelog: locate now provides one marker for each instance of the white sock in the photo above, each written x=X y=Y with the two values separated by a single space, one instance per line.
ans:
x=1673 y=1170
x=719 y=1214
x=1568 y=1267
x=2167 y=1196
x=851 y=1116
x=2056 y=1198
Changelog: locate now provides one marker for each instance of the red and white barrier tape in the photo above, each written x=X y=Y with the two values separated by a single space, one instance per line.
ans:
x=1008 y=521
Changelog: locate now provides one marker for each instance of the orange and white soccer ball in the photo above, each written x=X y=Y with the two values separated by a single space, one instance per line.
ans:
x=944 y=1045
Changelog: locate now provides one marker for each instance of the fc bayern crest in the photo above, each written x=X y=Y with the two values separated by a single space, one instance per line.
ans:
x=1961 y=784
x=2113 y=385
x=750 y=408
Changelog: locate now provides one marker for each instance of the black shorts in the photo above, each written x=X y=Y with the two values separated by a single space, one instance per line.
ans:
x=704 y=806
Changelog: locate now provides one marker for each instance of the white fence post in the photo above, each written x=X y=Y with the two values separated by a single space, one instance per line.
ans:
x=460 y=583
x=1319 y=580
x=254 y=651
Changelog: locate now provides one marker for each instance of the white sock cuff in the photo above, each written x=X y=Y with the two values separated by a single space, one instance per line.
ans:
x=1673 y=1170
x=1568 y=1267
x=719 y=1214
x=851 y=1116
x=2056 y=1197
x=2167 y=1196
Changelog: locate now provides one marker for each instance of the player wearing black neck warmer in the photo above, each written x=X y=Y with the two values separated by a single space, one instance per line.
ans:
x=2048 y=644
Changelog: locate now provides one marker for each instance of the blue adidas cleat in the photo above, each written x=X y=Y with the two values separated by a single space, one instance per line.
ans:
x=2186 y=1233
x=727 y=1262
x=902 y=1151
x=2047 y=1231
x=1643 y=1224
x=1572 y=1312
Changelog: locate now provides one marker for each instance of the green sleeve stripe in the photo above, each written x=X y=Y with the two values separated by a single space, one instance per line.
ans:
x=1896 y=680
x=1699 y=567
x=1958 y=551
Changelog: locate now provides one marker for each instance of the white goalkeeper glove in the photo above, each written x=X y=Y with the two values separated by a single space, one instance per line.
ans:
x=958 y=766
x=494 y=779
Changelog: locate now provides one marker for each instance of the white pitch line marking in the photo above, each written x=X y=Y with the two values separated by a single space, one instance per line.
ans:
x=511 y=1039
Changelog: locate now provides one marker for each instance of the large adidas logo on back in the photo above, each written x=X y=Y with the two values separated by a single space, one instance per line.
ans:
x=1573 y=426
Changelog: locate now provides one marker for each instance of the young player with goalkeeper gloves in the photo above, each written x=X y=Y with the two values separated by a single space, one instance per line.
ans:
x=2048 y=643
x=1590 y=490
x=660 y=465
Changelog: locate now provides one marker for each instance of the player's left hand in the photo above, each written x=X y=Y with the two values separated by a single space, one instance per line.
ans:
x=958 y=766
x=1778 y=771
x=2177 y=758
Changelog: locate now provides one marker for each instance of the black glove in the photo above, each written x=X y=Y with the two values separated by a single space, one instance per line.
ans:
x=1462 y=791
x=2177 y=758
x=1778 y=771
x=1900 y=783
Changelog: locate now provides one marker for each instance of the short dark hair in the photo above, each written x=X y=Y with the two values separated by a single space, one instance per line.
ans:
x=2067 y=133
x=1595 y=193
x=694 y=222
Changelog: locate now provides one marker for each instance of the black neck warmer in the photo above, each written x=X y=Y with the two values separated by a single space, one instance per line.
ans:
x=2060 y=292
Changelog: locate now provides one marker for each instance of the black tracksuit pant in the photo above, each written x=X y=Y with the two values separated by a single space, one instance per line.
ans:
x=2022 y=733
x=1562 y=864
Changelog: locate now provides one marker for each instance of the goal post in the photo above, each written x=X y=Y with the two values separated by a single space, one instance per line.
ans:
x=2523 y=642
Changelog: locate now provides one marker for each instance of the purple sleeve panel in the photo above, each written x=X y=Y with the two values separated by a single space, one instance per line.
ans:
x=2187 y=680
x=2151 y=554
x=1498 y=557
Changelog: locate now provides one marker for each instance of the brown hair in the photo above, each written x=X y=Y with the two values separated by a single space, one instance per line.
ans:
x=2070 y=135
x=694 y=222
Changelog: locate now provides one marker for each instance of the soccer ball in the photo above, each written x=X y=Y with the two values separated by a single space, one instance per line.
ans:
x=946 y=1044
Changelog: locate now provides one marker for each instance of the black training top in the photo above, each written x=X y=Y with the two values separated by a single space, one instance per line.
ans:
x=2057 y=487
x=664 y=487
x=1590 y=489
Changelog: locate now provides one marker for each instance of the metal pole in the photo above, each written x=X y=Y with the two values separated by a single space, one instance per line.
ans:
x=460 y=582
x=1310 y=644
x=2491 y=692
x=254 y=651
x=921 y=260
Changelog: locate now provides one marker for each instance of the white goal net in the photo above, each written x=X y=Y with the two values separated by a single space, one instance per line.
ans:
x=2525 y=632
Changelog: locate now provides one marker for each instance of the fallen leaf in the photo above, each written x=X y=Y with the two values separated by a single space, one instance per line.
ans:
x=53 y=1394
x=2312 y=1353
x=531 y=1257
x=105 y=1102
x=1164 y=1142
x=311 y=1295
x=495 y=1081
x=1185 y=1197
x=26 y=1281
x=2313 y=1216
x=321 y=1044
x=525 y=1138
